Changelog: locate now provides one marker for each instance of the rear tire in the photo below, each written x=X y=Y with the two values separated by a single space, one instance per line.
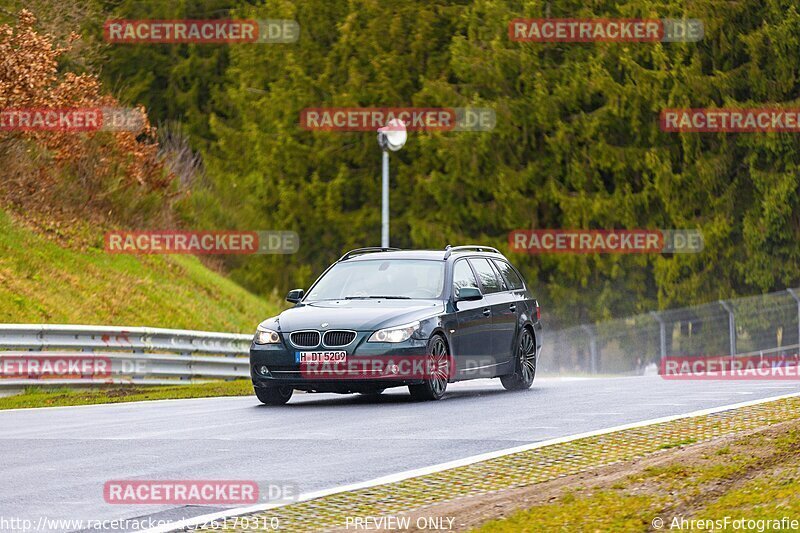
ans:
x=434 y=388
x=524 y=364
x=274 y=395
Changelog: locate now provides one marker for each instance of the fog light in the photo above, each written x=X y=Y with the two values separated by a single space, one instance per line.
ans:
x=264 y=370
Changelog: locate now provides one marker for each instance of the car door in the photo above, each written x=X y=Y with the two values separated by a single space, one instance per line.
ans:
x=520 y=305
x=502 y=307
x=473 y=336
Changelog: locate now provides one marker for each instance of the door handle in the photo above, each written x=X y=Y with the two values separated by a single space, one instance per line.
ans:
x=512 y=307
x=487 y=312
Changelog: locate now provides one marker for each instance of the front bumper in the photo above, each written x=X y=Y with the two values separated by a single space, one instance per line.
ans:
x=282 y=368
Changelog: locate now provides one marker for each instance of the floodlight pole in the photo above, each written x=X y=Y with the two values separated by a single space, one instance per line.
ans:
x=393 y=143
x=385 y=201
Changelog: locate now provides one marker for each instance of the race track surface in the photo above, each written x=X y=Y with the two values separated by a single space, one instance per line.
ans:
x=56 y=460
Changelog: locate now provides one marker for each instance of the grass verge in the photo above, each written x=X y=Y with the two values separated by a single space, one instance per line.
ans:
x=38 y=397
x=753 y=479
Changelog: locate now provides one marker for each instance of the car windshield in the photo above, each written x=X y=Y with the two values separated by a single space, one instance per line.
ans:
x=381 y=278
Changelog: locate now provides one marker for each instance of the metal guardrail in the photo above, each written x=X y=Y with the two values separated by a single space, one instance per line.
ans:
x=782 y=350
x=758 y=325
x=133 y=355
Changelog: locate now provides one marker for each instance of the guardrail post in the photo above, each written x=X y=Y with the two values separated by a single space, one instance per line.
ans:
x=796 y=299
x=188 y=367
x=662 y=334
x=731 y=325
x=87 y=349
x=593 y=355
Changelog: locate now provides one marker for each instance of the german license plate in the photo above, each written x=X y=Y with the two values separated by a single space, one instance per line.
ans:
x=320 y=357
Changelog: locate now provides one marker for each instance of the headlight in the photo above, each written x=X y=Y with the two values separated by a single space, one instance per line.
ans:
x=395 y=334
x=266 y=336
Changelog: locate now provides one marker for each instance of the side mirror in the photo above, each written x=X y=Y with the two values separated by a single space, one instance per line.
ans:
x=468 y=294
x=295 y=295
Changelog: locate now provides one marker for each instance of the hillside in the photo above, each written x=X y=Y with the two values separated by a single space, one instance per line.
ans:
x=43 y=282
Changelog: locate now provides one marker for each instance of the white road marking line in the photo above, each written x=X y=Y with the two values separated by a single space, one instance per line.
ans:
x=393 y=478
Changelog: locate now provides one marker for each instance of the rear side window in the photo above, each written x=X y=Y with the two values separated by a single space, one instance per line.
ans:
x=463 y=276
x=487 y=275
x=513 y=280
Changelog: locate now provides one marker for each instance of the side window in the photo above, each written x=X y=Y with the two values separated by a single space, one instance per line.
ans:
x=463 y=276
x=513 y=280
x=487 y=275
x=503 y=284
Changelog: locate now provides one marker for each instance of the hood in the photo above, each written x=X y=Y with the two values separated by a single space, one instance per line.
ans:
x=358 y=315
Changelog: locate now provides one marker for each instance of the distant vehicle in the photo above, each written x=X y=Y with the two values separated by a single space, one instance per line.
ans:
x=383 y=317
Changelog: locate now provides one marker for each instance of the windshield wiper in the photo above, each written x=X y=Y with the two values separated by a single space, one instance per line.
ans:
x=377 y=297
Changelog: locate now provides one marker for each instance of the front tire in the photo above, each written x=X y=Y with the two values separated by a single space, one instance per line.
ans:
x=274 y=395
x=524 y=365
x=434 y=387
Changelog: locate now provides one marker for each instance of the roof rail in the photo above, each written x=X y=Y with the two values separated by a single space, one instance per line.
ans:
x=370 y=249
x=450 y=249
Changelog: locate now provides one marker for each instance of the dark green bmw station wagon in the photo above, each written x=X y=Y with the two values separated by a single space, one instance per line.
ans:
x=383 y=317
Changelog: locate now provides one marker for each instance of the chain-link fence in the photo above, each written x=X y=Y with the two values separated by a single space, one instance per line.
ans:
x=768 y=323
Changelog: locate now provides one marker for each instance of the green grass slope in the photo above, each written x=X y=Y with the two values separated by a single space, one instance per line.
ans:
x=42 y=282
